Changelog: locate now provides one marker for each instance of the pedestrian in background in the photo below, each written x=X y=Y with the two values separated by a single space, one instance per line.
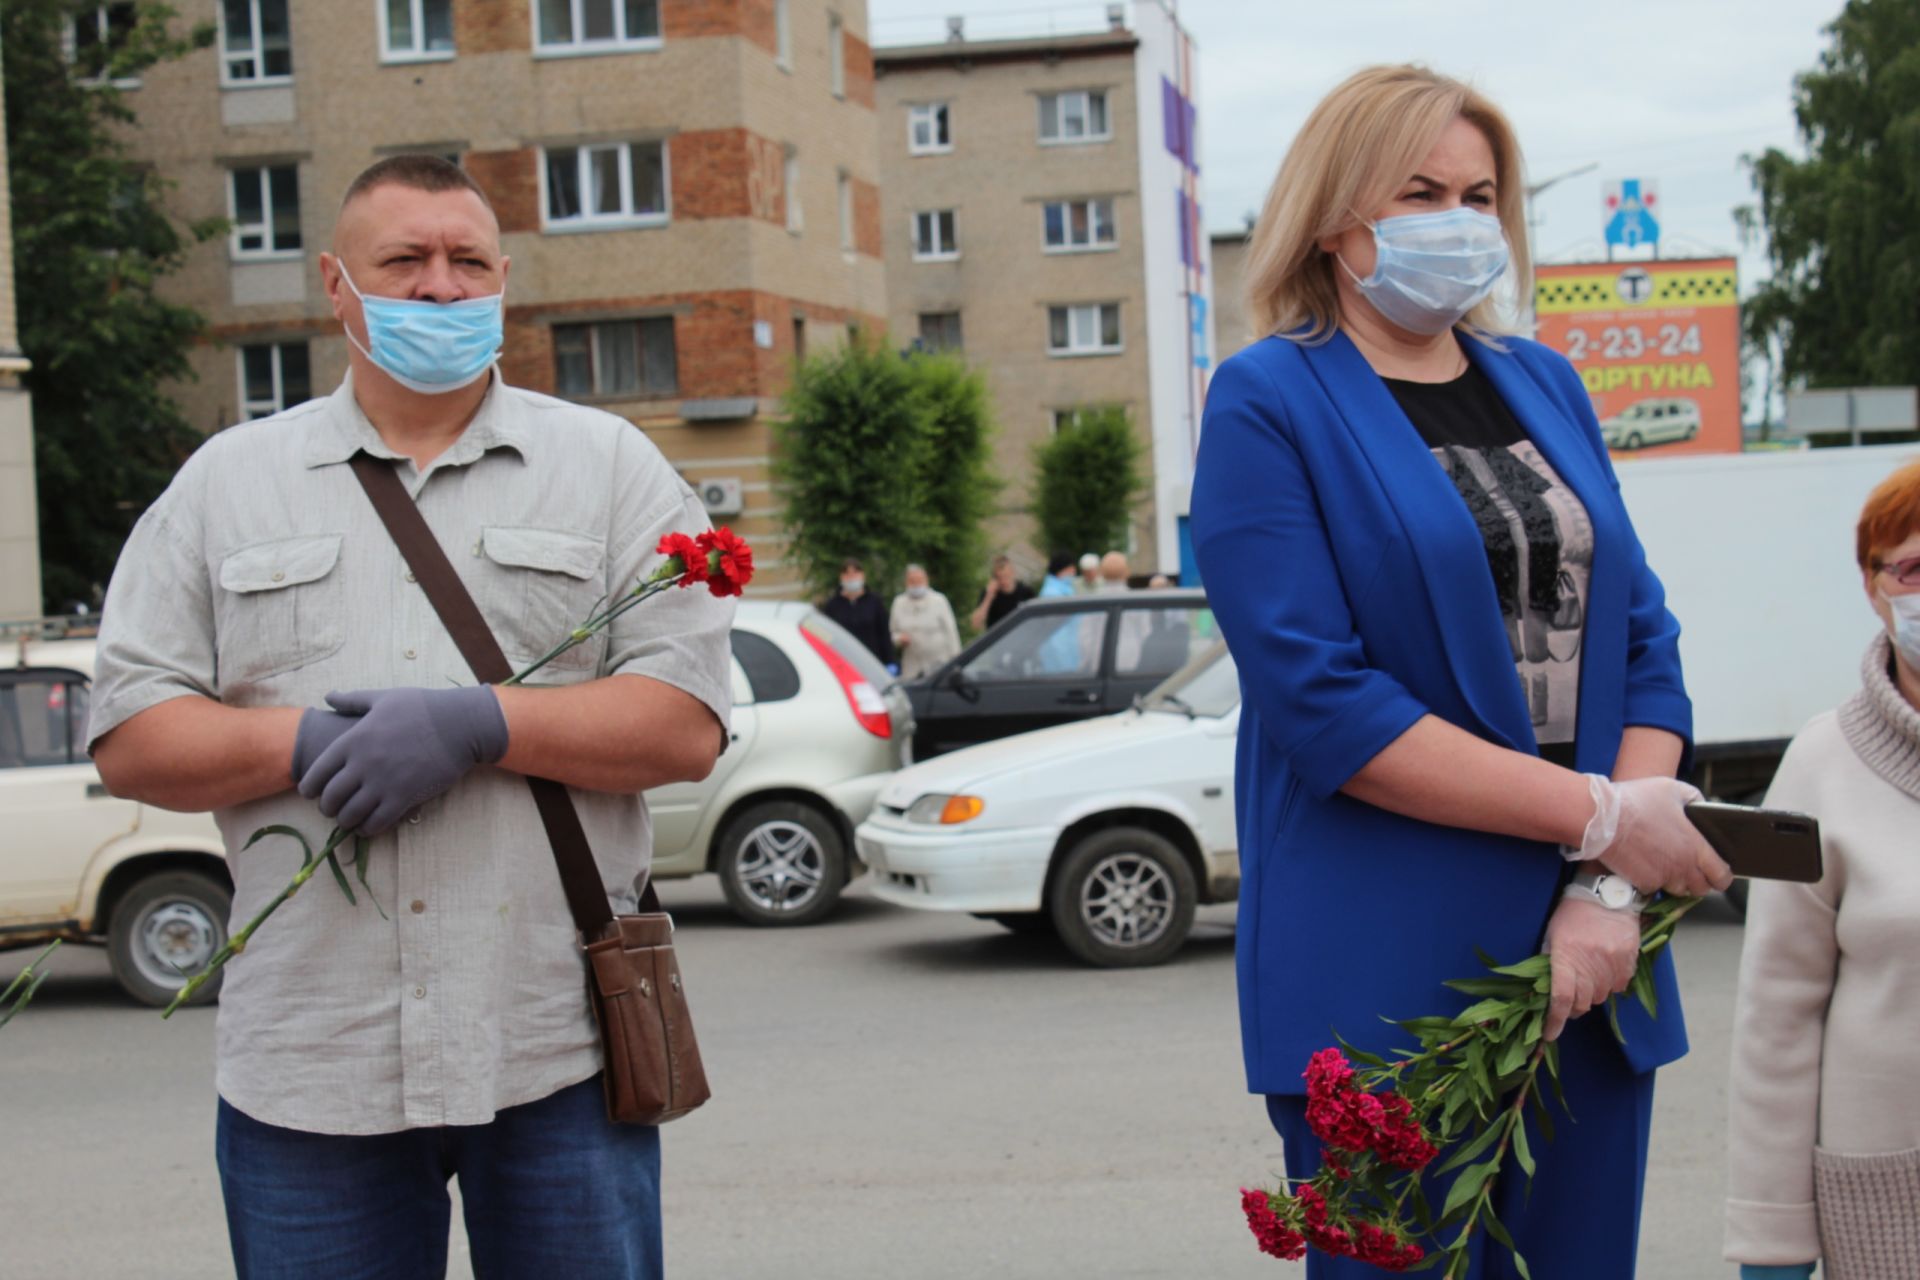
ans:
x=1823 y=1133
x=1060 y=576
x=1003 y=594
x=924 y=630
x=1393 y=775
x=860 y=612
x=1159 y=581
x=1090 y=572
x=1114 y=572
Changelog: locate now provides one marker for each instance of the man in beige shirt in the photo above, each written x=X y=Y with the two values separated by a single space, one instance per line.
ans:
x=925 y=632
x=362 y=1060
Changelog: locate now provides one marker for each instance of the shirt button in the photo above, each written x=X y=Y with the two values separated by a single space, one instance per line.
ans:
x=414 y=818
x=409 y=655
x=410 y=577
x=279 y=577
x=419 y=907
x=419 y=993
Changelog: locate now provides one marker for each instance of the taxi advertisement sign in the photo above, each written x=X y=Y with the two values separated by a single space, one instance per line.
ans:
x=1657 y=344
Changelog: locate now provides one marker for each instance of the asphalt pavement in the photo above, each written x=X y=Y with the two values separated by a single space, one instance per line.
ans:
x=897 y=1094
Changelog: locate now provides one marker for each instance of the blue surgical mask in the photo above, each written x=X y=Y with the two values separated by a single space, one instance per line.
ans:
x=1430 y=269
x=1906 y=626
x=430 y=347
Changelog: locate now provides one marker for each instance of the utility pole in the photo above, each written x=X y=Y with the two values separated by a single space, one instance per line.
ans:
x=1533 y=190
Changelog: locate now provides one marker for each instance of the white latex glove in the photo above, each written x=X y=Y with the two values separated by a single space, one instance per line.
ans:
x=1640 y=830
x=1595 y=951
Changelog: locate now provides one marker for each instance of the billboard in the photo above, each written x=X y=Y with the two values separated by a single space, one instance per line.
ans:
x=1657 y=344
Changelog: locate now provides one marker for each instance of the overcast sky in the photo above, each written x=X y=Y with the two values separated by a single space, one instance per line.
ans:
x=1672 y=90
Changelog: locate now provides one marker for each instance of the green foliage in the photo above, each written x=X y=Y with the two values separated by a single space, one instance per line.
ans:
x=92 y=241
x=1087 y=477
x=1842 y=240
x=884 y=457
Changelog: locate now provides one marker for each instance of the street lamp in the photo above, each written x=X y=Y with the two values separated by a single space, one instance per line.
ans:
x=1534 y=189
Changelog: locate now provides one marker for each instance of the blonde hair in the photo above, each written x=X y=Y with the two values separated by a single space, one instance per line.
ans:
x=1363 y=141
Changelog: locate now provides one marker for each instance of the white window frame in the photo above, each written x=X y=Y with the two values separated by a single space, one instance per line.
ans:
x=837 y=55
x=596 y=335
x=625 y=220
x=580 y=48
x=783 y=34
x=1095 y=205
x=920 y=322
x=846 y=212
x=1074 y=348
x=72 y=46
x=933 y=115
x=279 y=402
x=259 y=54
x=1087 y=96
x=265 y=225
x=790 y=184
x=951 y=250
x=416 y=54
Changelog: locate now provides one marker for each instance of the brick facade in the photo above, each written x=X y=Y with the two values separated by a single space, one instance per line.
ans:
x=492 y=26
x=511 y=180
x=859 y=69
x=866 y=219
x=728 y=173
x=754 y=19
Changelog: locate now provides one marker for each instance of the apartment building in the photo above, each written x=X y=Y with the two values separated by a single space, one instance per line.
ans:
x=19 y=512
x=687 y=189
x=1040 y=210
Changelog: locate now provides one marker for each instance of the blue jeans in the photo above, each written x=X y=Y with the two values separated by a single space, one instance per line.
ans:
x=551 y=1188
x=1581 y=1220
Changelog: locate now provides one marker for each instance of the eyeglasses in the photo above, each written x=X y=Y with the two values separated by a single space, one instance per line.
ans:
x=1905 y=572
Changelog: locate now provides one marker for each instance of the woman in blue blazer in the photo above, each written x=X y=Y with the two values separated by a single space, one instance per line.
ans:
x=1463 y=712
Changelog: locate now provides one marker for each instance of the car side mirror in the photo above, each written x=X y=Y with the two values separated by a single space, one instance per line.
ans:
x=962 y=683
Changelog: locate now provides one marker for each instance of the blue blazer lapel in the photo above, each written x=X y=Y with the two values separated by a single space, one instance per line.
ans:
x=1443 y=537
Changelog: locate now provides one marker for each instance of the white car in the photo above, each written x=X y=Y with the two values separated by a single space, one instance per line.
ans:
x=1111 y=830
x=1657 y=421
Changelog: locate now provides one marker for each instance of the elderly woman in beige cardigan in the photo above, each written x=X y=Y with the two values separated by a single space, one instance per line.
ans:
x=1825 y=1094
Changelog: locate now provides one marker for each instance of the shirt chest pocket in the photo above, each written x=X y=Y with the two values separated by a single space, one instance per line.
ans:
x=281 y=607
x=540 y=584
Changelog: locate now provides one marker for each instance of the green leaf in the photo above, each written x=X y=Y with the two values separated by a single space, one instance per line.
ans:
x=1513 y=1056
x=1466 y=1187
x=1494 y=1227
x=1472 y=1150
x=1521 y=1151
x=1485 y=1011
x=1540 y=1115
x=280 y=830
x=362 y=849
x=1509 y=988
x=1613 y=1018
x=1359 y=1055
x=340 y=878
x=1643 y=987
x=1530 y=968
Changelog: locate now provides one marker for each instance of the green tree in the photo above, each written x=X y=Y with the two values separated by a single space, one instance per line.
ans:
x=1089 y=474
x=956 y=485
x=92 y=241
x=1842 y=238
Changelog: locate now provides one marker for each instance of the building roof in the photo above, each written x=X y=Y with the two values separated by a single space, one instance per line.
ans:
x=958 y=53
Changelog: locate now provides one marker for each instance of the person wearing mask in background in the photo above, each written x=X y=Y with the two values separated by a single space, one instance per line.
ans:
x=1380 y=481
x=861 y=613
x=1059 y=580
x=1114 y=572
x=1003 y=594
x=924 y=629
x=1824 y=1131
x=1090 y=572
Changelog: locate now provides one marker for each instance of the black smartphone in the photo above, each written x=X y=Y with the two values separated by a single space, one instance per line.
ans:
x=1762 y=844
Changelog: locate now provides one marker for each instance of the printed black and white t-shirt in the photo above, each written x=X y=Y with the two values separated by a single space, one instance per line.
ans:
x=1539 y=540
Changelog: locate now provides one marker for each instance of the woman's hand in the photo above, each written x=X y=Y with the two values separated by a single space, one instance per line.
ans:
x=1640 y=830
x=1595 y=951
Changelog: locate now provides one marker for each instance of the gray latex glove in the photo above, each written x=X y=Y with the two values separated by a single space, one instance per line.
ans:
x=318 y=730
x=407 y=746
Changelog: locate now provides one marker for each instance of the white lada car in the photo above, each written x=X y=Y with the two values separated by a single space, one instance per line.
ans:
x=1109 y=831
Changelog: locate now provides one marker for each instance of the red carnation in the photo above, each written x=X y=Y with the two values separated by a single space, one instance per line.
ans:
x=1269 y=1228
x=1320 y=1233
x=729 y=561
x=1383 y=1248
x=691 y=555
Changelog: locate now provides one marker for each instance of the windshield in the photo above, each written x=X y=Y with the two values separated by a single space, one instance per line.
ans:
x=1207 y=686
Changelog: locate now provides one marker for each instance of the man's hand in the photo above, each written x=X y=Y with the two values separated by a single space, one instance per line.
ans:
x=405 y=747
x=318 y=730
x=1595 y=951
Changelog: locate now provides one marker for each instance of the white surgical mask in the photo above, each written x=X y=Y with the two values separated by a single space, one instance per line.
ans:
x=1906 y=625
x=853 y=586
x=918 y=593
x=1430 y=269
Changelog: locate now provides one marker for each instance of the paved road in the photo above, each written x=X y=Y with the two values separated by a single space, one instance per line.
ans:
x=898 y=1095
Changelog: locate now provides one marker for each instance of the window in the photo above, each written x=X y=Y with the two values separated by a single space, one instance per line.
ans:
x=255 y=45
x=1058 y=646
x=273 y=376
x=621 y=183
x=97 y=35
x=1154 y=643
x=1083 y=330
x=836 y=55
x=1064 y=418
x=846 y=213
x=1079 y=116
x=416 y=29
x=940 y=330
x=590 y=26
x=927 y=129
x=43 y=720
x=1073 y=225
x=783 y=33
x=266 y=211
x=792 y=185
x=933 y=237
x=616 y=358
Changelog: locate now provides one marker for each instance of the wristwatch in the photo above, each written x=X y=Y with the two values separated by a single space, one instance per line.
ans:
x=1615 y=893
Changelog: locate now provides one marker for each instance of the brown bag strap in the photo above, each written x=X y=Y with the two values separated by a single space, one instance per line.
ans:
x=579 y=874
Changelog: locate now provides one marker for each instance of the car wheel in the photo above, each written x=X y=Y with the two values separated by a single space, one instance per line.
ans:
x=1124 y=897
x=1634 y=440
x=1024 y=923
x=781 y=863
x=167 y=923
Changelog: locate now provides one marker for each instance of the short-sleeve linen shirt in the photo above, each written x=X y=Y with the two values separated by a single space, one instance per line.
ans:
x=263 y=578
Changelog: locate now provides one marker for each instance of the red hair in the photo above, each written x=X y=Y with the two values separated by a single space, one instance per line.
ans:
x=1891 y=516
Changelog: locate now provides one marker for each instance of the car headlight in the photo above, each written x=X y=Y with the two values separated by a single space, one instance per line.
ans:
x=941 y=810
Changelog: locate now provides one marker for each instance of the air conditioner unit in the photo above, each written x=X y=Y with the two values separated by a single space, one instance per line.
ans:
x=721 y=496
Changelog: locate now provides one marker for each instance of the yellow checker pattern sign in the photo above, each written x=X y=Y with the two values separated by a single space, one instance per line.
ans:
x=1622 y=286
